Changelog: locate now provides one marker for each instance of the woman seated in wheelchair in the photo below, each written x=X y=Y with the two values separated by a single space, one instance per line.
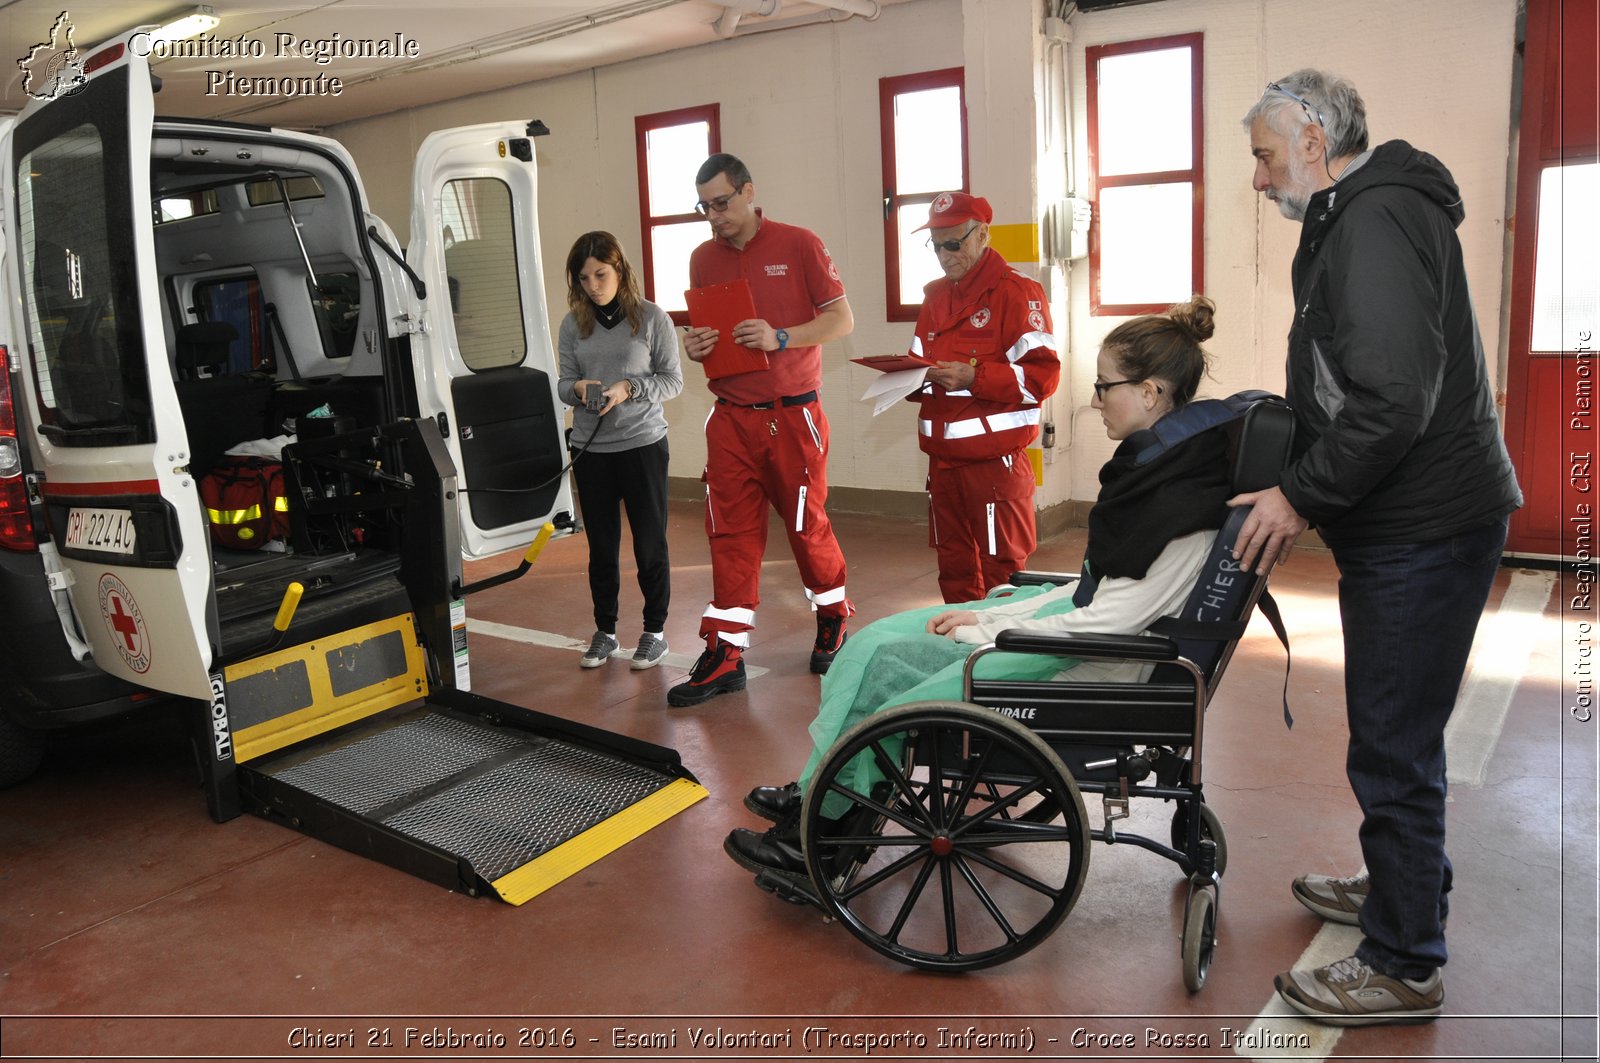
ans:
x=1150 y=532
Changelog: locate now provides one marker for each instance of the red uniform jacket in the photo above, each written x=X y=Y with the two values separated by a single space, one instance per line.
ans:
x=995 y=318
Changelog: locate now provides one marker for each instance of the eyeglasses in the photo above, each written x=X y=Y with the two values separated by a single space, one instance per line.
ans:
x=1103 y=386
x=952 y=245
x=1312 y=114
x=718 y=205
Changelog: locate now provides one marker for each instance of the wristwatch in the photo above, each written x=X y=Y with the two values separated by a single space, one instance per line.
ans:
x=783 y=338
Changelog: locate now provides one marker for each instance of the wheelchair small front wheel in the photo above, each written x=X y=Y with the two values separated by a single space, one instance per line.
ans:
x=1199 y=937
x=1210 y=827
x=964 y=842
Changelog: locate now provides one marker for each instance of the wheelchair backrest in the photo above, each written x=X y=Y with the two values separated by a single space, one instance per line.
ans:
x=1224 y=595
x=1260 y=429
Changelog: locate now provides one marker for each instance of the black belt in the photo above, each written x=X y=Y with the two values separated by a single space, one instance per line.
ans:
x=787 y=400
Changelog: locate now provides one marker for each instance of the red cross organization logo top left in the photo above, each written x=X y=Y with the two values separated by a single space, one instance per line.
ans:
x=126 y=622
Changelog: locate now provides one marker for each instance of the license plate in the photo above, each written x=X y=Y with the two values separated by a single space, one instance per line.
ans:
x=110 y=530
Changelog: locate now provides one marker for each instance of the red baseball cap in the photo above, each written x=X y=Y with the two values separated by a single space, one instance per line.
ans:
x=952 y=208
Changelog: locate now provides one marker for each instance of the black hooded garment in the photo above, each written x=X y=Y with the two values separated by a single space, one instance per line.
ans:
x=1398 y=440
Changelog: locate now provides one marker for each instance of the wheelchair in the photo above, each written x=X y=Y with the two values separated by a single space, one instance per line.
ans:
x=973 y=847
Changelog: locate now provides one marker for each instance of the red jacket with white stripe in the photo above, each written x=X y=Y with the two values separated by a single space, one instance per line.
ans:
x=996 y=319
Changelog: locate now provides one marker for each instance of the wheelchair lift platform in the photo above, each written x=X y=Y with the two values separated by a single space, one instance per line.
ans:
x=342 y=740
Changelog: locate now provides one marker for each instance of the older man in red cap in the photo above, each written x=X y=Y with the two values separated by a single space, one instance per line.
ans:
x=988 y=329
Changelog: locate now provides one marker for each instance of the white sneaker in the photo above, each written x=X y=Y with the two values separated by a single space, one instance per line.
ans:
x=651 y=649
x=601 y=647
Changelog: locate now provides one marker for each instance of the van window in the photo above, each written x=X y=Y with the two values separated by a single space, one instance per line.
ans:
x=303 y=186
x=480 y=259
x=237 y=301
x=79 y=279
x=186 y=205
x=336 y=300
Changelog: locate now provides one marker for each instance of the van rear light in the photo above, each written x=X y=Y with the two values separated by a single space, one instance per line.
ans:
x=105 y=57
x=16 y=521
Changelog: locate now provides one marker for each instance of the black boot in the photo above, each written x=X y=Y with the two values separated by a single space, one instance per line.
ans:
x=778 y=849
x=774 y=802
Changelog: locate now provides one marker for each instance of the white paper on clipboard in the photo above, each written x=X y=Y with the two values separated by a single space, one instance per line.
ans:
x=890 y=388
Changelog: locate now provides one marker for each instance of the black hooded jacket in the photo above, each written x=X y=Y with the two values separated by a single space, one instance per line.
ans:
x=1398 y=439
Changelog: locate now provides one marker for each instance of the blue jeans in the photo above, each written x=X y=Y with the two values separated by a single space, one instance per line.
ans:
x=1409 y=612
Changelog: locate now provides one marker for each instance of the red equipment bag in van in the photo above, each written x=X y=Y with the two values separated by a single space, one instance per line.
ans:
x=245 y=499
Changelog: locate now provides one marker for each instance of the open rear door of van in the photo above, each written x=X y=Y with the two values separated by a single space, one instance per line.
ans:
x=124 y=511
x=487 y=369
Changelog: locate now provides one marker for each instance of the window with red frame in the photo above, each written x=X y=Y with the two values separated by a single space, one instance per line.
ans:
x=923 y=123
x=1146 y=244
x=671 y=146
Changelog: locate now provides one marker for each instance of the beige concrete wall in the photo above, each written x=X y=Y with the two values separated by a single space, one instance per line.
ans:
x=1434 y=72
x=801 y=107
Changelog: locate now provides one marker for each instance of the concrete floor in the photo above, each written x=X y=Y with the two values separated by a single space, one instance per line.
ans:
x=131 y=925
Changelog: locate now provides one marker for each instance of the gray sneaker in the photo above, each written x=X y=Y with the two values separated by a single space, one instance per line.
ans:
x=1349 y=993
x=601 y=647
x=1337 y=900
x=651 y=649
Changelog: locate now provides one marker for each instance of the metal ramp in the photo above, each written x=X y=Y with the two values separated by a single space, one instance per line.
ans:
x=470 y=803
x=342 y=739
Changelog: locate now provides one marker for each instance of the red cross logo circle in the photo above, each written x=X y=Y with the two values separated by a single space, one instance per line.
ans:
x=125 y=623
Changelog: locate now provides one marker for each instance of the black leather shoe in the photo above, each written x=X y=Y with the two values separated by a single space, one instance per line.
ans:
x=774 y=802
x=776 y=850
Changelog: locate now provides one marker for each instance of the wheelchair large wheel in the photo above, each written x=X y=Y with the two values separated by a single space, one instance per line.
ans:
x=1210 y=827
x=968 y=850
x=1199 y=937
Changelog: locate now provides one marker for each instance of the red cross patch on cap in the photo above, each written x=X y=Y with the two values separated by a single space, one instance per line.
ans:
x=953 y=208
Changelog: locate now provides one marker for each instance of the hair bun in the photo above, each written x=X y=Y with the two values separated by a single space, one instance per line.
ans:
x=1197 y=317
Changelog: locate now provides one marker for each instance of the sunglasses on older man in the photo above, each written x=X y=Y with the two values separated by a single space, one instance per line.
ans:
x=952 y=245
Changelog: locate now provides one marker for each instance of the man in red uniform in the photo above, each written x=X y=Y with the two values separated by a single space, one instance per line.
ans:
x=988 y=328
x=766 y=438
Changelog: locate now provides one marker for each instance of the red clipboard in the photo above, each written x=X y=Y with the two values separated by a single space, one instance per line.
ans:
x=894 y=363
x=722 y=306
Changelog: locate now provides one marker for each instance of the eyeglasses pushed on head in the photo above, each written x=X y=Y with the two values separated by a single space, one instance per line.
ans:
x=1312 y=113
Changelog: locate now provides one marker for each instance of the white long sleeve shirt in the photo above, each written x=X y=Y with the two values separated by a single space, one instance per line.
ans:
x=1121 y=606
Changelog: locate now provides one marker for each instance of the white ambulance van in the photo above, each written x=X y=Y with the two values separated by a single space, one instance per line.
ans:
x=179 y=289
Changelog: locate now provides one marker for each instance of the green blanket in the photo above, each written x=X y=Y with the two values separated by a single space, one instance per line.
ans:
x=894 y=661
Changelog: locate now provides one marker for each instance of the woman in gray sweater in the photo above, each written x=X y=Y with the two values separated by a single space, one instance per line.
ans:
x=619 y=363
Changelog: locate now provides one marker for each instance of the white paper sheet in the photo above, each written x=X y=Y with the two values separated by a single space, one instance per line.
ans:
x=890 y=388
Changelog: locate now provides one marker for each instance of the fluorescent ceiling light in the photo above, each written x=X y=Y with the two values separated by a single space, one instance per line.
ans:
x=185 y=23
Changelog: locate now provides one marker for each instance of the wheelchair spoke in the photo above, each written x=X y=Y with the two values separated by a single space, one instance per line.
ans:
x=985 y=899
x=882 y=875
x=963 y=796
x=946 y=887
x=1006 y=803
x=909 y=905
x=1010 y=872
x=905 y=787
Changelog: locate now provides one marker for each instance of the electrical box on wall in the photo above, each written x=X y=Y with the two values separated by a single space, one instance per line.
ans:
x=1066 y=228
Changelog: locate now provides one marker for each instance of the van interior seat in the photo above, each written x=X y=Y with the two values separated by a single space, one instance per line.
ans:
x=220 y=409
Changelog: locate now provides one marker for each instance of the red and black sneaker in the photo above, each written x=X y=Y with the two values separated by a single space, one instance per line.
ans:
x=720 y=670
x=830 y=640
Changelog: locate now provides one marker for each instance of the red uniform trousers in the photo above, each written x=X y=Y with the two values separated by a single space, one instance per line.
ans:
x=756 y=457
x=980 y=520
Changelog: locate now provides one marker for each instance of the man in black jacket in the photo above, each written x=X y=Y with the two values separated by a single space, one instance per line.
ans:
x=1401 y=467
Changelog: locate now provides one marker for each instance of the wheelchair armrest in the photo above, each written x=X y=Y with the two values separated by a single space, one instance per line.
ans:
x=1090 y=645
x=1030 y=578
